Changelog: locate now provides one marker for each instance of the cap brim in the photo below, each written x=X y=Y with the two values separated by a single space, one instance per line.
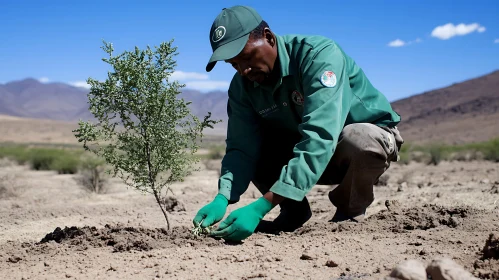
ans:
x=227 y=51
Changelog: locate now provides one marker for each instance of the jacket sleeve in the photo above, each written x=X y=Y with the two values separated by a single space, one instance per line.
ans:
x=326 y=106
x=242 y=146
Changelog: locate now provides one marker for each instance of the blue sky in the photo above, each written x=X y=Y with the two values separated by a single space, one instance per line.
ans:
x=405 y=47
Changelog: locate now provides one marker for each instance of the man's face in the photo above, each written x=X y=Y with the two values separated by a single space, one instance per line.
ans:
x=256 y=61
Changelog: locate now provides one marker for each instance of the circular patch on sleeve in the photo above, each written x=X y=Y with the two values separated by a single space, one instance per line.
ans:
x=328 y=79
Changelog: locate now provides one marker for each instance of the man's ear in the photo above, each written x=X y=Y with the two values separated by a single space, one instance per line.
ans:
x=269 y=36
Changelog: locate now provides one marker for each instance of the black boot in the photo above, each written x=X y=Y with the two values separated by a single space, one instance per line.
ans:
x=293 y=215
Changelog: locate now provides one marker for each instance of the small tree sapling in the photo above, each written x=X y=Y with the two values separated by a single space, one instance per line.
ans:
x=144 y=131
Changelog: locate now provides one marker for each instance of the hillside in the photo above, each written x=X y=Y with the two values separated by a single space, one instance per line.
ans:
x=460 y=113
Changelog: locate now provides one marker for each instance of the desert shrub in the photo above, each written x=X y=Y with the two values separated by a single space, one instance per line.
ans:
x=405 y=153
x=65 y=164
x=19 y=154
x=491 y=150
x=216 y=152
x=92 y=174
x=62 y=161
x=436 y=152
x=9 y=186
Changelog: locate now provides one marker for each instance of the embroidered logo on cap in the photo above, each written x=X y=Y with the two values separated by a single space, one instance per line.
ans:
x=328 y=79
x=218 y=34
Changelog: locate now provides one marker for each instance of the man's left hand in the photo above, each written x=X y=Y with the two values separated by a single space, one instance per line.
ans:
x=241 y=223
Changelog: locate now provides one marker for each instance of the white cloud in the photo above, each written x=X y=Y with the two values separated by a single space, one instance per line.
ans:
x=400 y=43
x=449 y=30
x=198 y=81
x=496 y=41
x=183 y=76
x=205 y=86
x=82 y=84
x=396 y=43
x=44 y=80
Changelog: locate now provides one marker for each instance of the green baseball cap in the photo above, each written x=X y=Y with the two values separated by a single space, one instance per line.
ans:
x=230 y=32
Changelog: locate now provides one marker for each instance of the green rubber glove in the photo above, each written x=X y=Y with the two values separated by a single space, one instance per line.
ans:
x=242 y=222
x=211 y=213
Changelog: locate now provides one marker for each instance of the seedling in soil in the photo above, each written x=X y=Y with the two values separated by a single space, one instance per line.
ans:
x=199 y=231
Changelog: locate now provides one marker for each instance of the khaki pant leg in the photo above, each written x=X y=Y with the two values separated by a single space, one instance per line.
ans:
x=363 y=154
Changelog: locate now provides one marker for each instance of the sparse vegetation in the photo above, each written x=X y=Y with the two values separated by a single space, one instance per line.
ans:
x=93 y=174
x=434 y=153
x=9 y=186
x=149 y=135
x=216 y=151
x=64 y=161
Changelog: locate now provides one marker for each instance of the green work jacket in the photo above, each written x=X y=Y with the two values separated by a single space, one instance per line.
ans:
x=320 y=90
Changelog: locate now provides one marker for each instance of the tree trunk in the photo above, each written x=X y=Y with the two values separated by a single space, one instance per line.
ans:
x=156 y=195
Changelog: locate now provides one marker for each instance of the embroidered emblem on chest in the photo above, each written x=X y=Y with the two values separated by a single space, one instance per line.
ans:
x=297 y=98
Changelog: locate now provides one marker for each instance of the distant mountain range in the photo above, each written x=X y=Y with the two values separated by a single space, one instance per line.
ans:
x=58 y=101
x=463 y=112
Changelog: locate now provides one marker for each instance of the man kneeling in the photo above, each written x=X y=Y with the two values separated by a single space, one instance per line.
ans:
x=301 y=112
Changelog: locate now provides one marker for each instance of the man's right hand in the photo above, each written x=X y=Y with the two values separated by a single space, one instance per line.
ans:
x=211 y=213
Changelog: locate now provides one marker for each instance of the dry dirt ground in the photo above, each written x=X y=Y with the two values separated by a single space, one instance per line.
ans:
x=52 y=228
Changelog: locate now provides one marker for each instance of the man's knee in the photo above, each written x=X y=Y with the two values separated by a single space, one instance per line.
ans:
x=362 y=139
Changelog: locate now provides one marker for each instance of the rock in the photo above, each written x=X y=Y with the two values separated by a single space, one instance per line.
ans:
x=485 y=181
x=243 y=258
x=409 y=270
x=453 y=222
x=14 y=259
x=331 y=263
x=306 y=256
x=392 y=205
x=447 y=269
x=172 y=204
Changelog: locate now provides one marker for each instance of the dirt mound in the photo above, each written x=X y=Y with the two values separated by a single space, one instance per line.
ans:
x=487 y=267
x=121 y=238
x=429 y=216
x=399 y=220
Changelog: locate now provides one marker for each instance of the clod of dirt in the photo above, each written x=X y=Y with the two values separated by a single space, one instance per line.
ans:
x=122 y=238
x=487 y=267
x=409 y=270
x=485 y=181
x=172 y=204
x=306 y=256
x=491 y=248
x=14 y=259
x=331 y=263
x=392 y=205
x=494 y=189
x=447 y=269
